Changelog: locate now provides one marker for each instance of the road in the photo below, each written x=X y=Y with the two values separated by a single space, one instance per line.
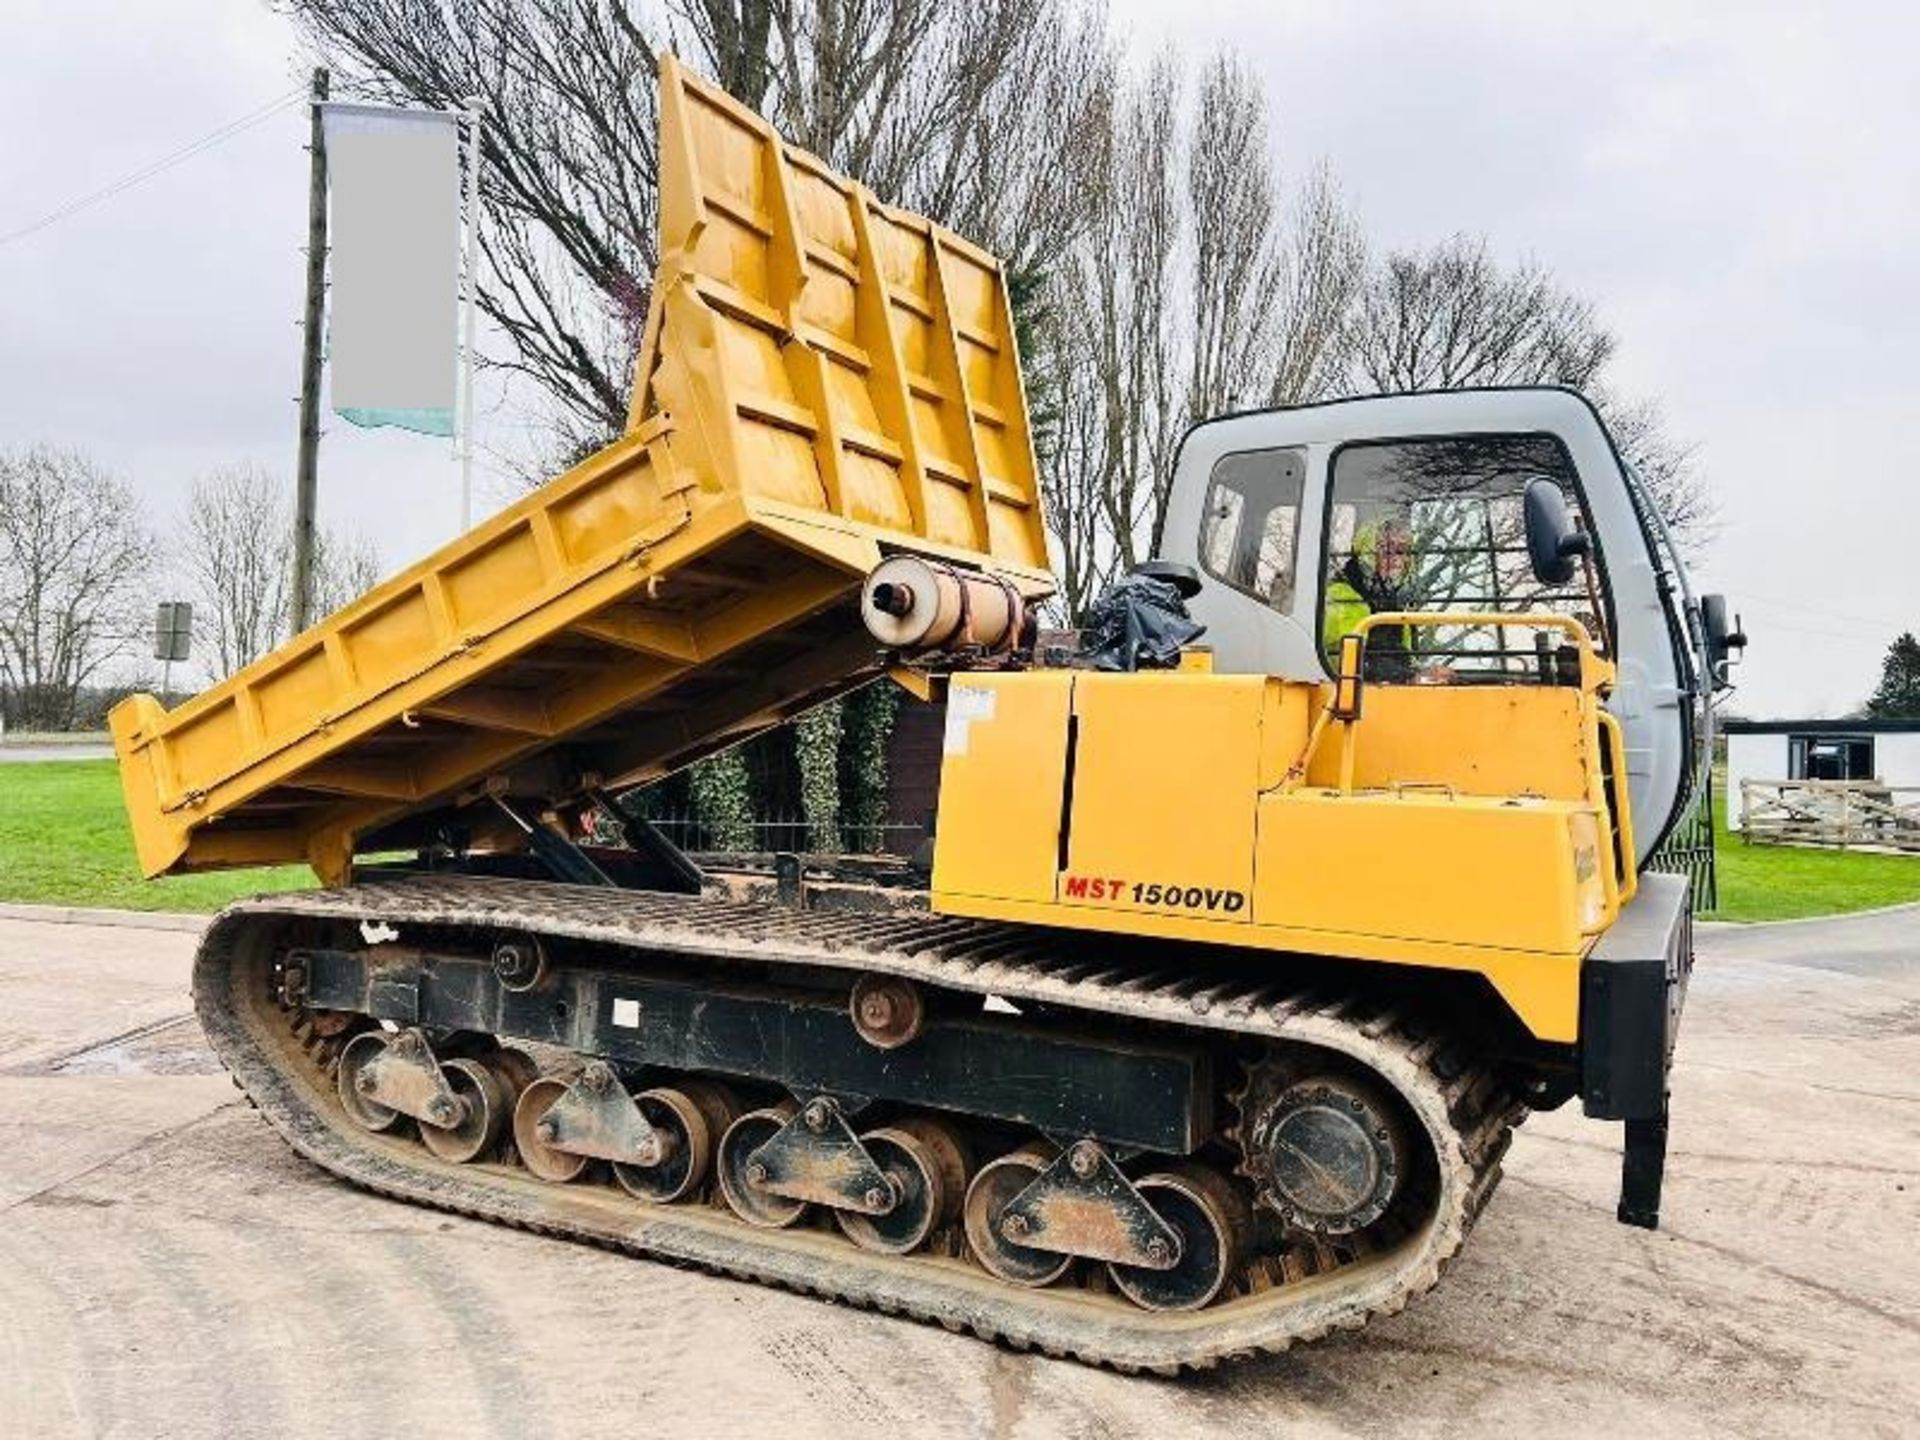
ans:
x=168 y=1267
x=34 y=754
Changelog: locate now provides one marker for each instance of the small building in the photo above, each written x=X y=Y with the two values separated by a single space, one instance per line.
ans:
x=1887 y=751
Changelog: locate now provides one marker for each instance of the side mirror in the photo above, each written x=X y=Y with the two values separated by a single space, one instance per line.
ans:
x=1722 y=636
x=1553 y=541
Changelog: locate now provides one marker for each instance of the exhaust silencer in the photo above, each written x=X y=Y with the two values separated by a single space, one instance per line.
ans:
x=915 y=604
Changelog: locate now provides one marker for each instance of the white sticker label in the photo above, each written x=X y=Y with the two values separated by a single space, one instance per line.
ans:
x=626 y=1014
x=965 y=704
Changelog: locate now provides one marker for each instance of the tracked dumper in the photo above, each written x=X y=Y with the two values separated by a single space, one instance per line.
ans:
x=1237 y=962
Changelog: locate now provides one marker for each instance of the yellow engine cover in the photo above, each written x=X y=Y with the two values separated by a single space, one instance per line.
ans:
x=1157 y=804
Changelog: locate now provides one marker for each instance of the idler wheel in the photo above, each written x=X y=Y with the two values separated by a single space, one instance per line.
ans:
x=739 y=1183
x=368 y=1114
x=538 y=1156
x=928 y=1170
x=1212 y=1221
x=686 y=1144
x=1002 y=1254
x=483 y=1114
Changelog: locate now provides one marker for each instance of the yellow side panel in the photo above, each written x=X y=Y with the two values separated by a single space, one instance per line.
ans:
x=1002 y=770
x=1589 y=856
x=1464 y=872
x=1542 y=987
x=1165 y=775
x=1287 y=712
x=1481 y=740
x=490 y=581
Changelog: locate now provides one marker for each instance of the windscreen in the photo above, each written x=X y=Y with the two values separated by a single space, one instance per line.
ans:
x=1436 y=525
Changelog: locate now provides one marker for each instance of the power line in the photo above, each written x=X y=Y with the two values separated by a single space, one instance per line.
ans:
x=166 y=162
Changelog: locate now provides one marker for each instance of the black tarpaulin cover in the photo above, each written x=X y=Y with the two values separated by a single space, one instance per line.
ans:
x=1139 y=623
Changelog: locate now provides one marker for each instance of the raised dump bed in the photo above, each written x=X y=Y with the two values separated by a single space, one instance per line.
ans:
x=824 y=380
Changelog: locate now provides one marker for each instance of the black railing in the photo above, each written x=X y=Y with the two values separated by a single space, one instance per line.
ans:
x=1689 y=850
x=767 y=835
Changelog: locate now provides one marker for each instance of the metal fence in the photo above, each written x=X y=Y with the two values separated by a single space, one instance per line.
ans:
x=770 y=835
x=1844 y=814
x=1688 y=850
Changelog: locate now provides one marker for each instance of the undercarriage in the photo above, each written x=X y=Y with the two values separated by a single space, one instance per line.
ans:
x=1054 y=1144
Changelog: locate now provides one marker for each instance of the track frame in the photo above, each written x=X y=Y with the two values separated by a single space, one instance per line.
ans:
x=1461 y=1107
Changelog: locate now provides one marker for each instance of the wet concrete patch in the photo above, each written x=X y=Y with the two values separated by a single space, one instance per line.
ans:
x=169 y=1047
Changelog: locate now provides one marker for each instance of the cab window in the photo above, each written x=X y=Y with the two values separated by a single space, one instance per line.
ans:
x=1249 y=529
x=1436 y=525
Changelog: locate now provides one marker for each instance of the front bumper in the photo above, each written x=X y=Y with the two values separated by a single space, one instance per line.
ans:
x=1632 y=988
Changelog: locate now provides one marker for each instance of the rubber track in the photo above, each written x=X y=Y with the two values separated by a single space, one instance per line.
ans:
x=1467 y=1117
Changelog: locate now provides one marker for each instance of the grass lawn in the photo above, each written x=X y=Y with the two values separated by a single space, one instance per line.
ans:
x=64 y=840
x=1788 y=882
x=1783 y=882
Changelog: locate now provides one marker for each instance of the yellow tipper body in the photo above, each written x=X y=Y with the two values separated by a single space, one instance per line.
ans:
x=1465 y=828
x=823 y=379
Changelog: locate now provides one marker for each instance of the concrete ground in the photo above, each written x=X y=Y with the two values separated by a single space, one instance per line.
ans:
x=167 y=1267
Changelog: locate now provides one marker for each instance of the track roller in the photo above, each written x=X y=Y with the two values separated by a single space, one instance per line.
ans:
x=1214 y=1224
x=717 y=1103
x=366 y=1112
x=482 y=1114
x=538 y=1156
x=738 y=1182
x=987 y=1197
x=927 y=1167
x=514 y=1069
x=687 y=1146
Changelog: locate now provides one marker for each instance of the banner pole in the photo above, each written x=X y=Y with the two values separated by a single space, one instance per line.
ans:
x=471 y=281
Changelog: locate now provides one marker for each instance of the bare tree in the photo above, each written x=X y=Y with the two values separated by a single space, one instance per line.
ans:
x=238 y=558
x=1113 y=294
x=1666 y=466
x=1325 y=257
x=1187 y=292
x=346 y=564
x=1453 y=316
x=1237 y=260
x=74 y=556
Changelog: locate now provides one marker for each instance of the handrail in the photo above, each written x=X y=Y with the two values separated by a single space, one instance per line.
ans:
x=1594 y=673
x=1624 y=849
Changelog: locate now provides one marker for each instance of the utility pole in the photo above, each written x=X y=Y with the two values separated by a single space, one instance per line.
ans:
x=306 y=471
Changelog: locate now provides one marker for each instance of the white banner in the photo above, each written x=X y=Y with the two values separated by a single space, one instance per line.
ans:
x=394 y=180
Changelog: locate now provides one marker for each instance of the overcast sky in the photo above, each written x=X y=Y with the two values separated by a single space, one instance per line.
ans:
x=1733 y=186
